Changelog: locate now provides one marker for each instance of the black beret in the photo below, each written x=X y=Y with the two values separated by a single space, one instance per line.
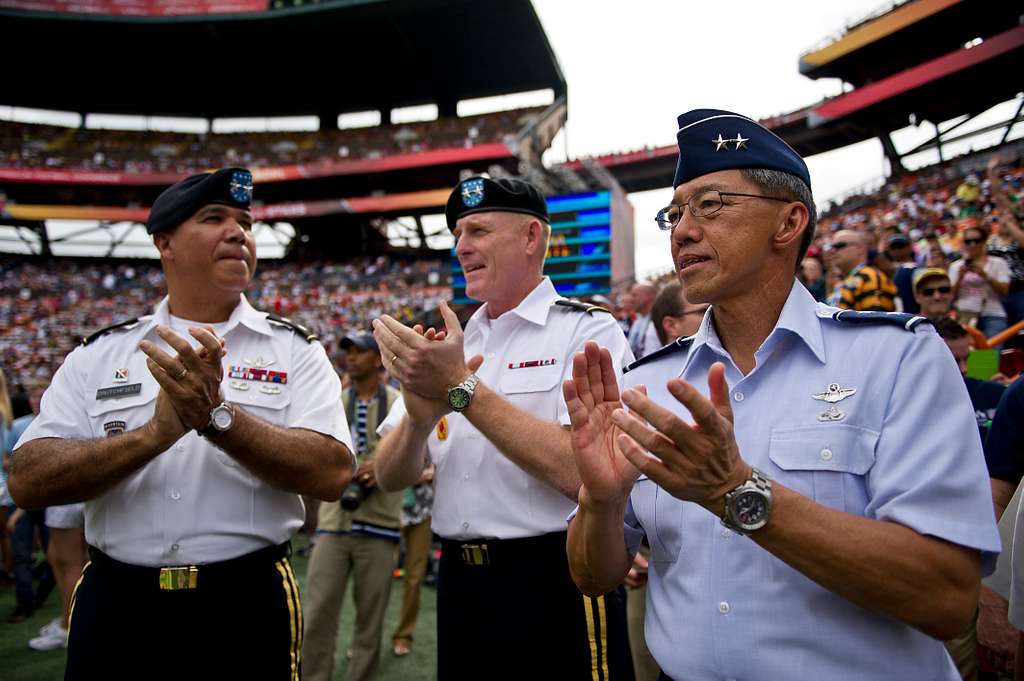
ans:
x=482 y=194
x=227 y=186
x=711 y=140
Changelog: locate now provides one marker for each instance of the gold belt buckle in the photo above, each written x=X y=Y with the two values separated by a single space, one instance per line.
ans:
x=475 y=554
x=178 y=578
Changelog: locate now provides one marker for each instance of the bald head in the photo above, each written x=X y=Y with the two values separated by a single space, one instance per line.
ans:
x=847 y=250
x=643 y=295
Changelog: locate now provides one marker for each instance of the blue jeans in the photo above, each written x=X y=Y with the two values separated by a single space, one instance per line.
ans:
x=990 y=326
x=24 y=533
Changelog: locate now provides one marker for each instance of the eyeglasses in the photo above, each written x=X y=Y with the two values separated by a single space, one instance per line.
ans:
x=929 y=292
x=974 y=242
x=699 y=310
x=702 y=205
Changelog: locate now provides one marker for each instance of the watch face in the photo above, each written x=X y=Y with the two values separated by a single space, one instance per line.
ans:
x=222 y=418
x=751 y=508
x=458 y=398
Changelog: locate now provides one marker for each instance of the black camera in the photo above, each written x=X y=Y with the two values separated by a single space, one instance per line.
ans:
x=354 y=495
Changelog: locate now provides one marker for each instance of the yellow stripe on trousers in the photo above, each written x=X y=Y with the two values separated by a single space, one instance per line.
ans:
x=74 y=593
x=596 y=644
x=292 y=619
x=298 y=606
x=604 y=637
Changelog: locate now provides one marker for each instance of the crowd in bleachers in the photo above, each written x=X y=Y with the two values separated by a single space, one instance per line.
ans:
x=45 y=146
x=46 y=308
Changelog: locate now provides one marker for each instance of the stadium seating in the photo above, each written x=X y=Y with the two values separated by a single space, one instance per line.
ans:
x=46 y=146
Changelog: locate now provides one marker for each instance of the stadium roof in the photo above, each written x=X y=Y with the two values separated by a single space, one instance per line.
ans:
x=913 y=32
x=323 y=59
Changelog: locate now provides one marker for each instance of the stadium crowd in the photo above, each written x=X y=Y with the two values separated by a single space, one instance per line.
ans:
x=28 y=145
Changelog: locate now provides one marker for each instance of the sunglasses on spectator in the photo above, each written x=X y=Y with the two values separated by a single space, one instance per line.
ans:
x=929 y=292
x=838 y=246
x=974 y=242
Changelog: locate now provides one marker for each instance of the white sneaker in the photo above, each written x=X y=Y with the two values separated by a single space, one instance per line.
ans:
x=53 y=639
x=53 y=624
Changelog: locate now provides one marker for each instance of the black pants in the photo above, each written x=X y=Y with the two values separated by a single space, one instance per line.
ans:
x=243 y=620
x=520 y=616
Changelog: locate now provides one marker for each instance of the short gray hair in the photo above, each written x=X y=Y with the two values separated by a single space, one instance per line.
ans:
x=789 y=187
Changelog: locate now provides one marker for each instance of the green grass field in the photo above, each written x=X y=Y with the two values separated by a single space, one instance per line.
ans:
x=19 y=663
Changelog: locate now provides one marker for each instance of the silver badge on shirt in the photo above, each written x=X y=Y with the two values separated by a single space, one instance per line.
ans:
x=833 y=395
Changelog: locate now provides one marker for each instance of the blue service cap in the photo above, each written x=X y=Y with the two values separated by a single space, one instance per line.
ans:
x=711 y=140
x=482 y=194
x=179 y=202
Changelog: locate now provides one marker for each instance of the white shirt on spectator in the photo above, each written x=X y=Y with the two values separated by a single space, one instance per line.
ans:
x=976 y=296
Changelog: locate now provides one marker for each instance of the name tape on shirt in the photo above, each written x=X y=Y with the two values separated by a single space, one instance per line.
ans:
x=532 y=363
x=118 y=391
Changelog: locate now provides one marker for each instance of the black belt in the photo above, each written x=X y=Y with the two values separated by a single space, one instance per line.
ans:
x=186 y=577
x=484 y=552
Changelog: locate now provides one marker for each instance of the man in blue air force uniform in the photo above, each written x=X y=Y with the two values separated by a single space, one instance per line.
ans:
x=810 y=480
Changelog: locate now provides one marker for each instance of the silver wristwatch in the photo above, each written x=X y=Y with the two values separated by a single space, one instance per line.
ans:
x=461 y=395
x=748 y=506
x=222 y=417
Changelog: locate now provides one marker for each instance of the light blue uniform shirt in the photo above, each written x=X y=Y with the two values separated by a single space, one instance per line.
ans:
x=906 y=450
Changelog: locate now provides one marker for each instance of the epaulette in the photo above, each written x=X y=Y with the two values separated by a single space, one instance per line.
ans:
x=297 y=328
x=107 y=329
x=580 y=306
x=681 y=343
x=903 y=319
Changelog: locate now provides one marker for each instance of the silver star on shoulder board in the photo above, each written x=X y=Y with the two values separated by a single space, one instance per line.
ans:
x=834 y=394
x=721 y=142
x=741 y=142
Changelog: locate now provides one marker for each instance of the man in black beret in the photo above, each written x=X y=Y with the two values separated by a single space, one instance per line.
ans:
x=485 y=405
x=190 y=435
x=810 y=479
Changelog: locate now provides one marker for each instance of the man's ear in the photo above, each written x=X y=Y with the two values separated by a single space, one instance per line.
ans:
x=162 y=241
x=794 y=221
x=534 y=236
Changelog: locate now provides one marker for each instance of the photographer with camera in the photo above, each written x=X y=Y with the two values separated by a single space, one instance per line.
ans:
x=357 y=536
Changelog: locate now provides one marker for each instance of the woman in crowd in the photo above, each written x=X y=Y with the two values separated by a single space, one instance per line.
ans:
x=979 y=281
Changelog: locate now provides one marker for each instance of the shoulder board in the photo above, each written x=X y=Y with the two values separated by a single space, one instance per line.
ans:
x=681 y=343
x=107 y=329
x=579 y=306
x=308 y=335
x=902 y=319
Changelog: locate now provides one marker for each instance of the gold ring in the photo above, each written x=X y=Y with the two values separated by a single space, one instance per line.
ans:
x=394 y=359
x=184 y=371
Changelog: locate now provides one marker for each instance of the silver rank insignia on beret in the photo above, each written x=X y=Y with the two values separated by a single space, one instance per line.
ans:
x=241 y=186
x=472 y=193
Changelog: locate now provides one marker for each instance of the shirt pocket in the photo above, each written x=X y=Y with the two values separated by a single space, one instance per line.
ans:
x=522 y=387
x=827 y=463
x=272 y=408
x=113 y=416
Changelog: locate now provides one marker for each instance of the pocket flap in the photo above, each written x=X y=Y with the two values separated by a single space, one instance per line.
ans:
x=530 y=380
x=829 y=447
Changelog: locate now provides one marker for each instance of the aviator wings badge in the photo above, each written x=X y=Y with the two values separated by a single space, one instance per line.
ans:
x=832 y=395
